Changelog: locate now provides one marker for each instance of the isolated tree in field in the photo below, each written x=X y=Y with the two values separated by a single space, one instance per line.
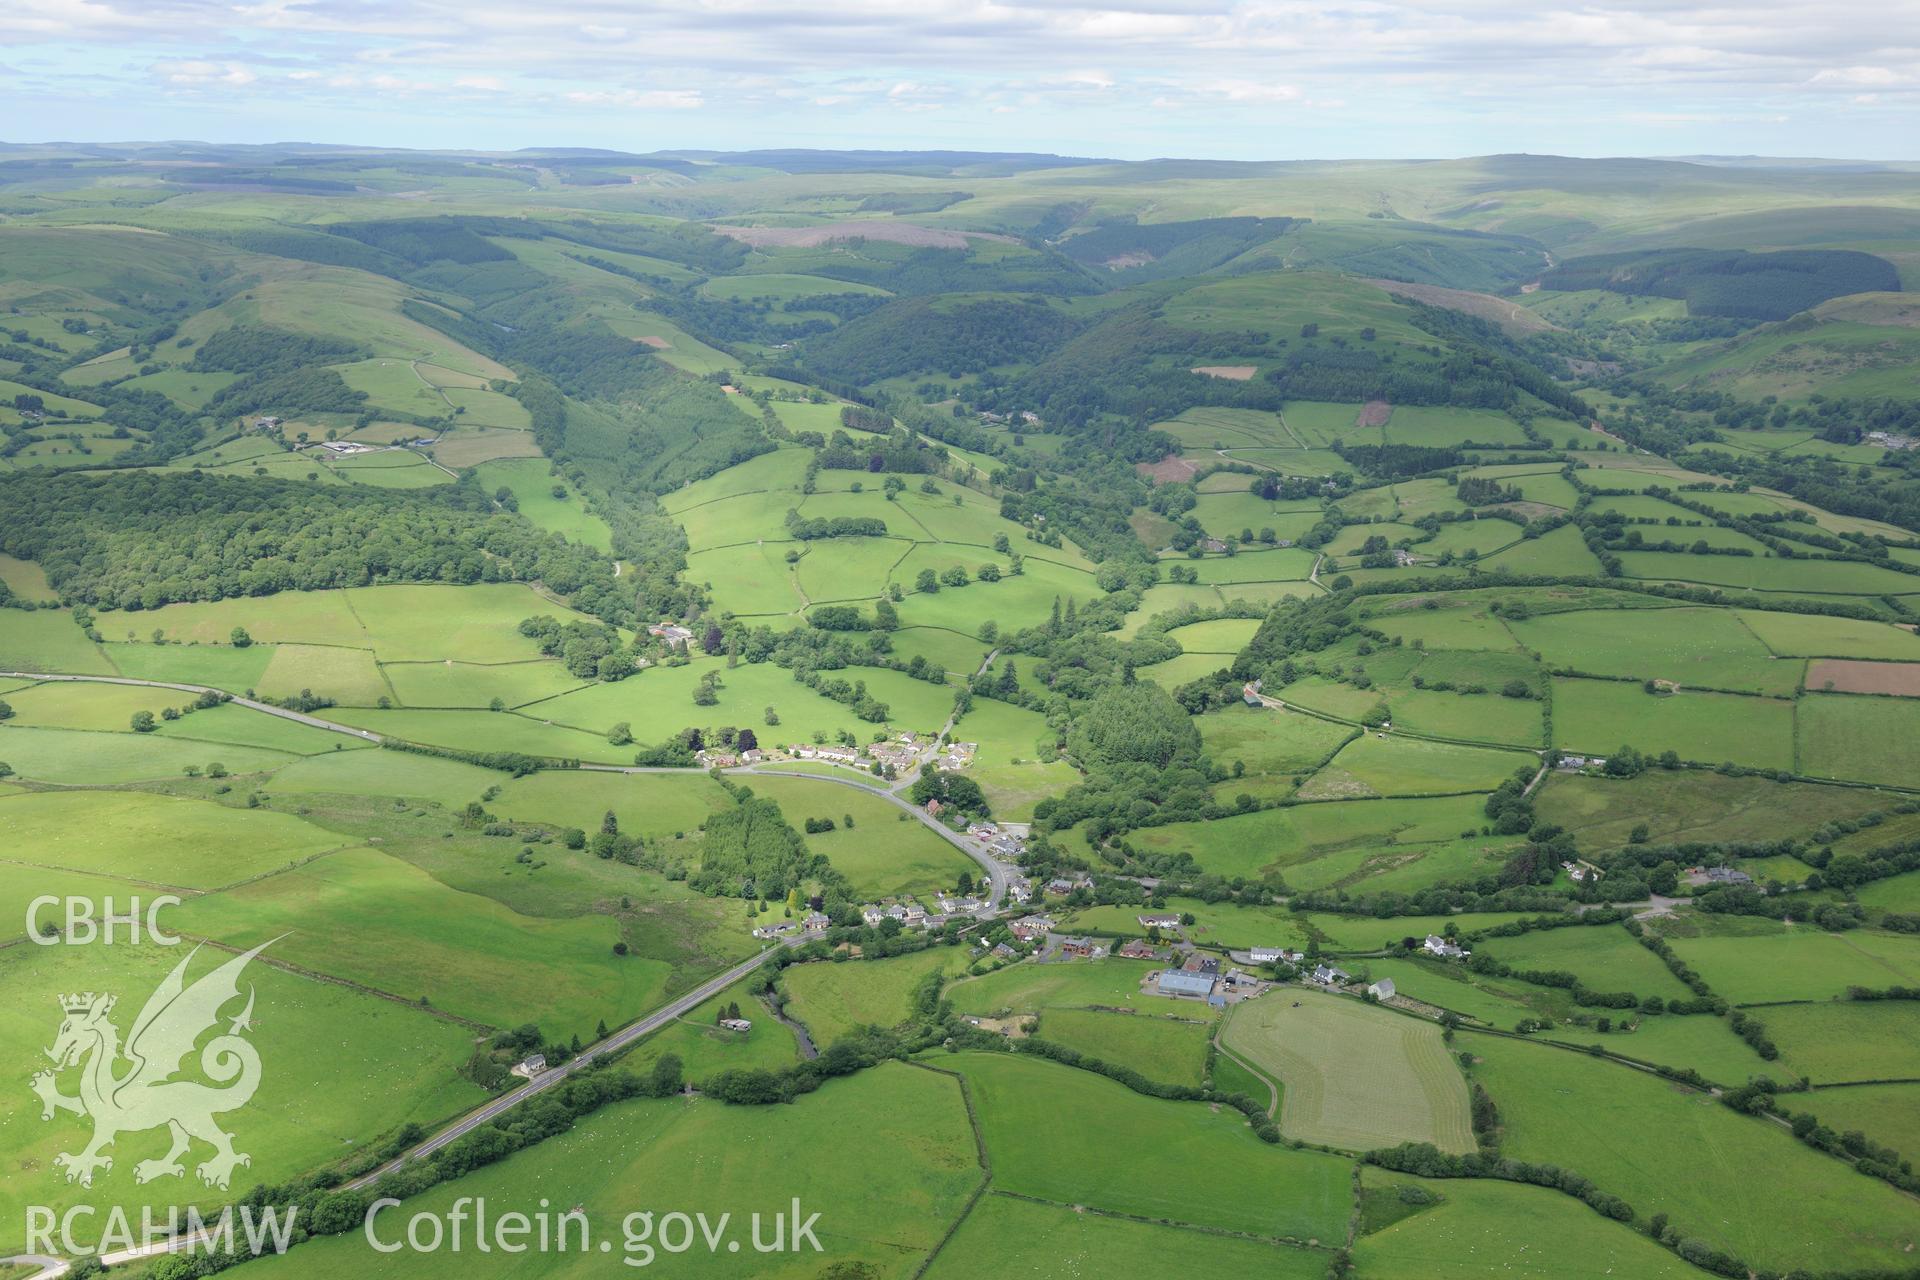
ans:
x=771 y=717
x=885 y=616
x=143 y=722
x=926 y=582
x=498 y=704
x=610 y=824
x=6 y=711
x=621 y=734
x=239 y=638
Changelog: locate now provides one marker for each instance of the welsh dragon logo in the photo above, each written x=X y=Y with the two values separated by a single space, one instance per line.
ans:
x=145 y=1093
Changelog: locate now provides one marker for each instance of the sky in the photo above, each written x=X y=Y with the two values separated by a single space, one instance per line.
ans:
x=1229 y=79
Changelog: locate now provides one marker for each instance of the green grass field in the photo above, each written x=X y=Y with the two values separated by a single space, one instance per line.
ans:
x=1598 y=716
x=47 y=640
x=1282 y=837
x=881 y=855
x=1170 y=1049
x=1008 y=1237
x=1799 y=963
x=1835 y=1043
x=1048 y=1130
x=1888 y=1113
x=833 y=998
x=86 y=758
x=676 y=1155
x=1031 y=988
x=402 y=774
x=340 y=1070
x=653 y=805
x=161 y=840
x=1527 y=1233
x=1866 y=739
x=371 y=918
x=1698 y=648
x=532 y=484
x=1372 y=765
x=1355 y=1076
x=1808 y=1211
x=1677 y=806
x=1604 y=957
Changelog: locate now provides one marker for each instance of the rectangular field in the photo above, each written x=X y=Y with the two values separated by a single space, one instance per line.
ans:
x=1356 y=1076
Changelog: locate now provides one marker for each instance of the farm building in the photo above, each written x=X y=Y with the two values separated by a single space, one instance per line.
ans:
x=736 y=1024
x=1327 y=976
x=1381 y=990
x=1160 y=920
x=1435 y=945
x=1174 y=982
x=529 y=1067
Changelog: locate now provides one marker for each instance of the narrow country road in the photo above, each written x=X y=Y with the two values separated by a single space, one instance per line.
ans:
x=485 y=1114
x=298 y=717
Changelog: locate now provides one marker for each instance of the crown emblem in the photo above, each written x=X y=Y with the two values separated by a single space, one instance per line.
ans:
x=78 y=1003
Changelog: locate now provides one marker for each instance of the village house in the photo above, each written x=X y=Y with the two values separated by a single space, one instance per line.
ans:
x=1138 y=949
x=529 y=1067
x=1020 y=889
x=1327 y=976
x=816 y=920
x=671 y=632
x=1275 y=955
x=1435 y=945
x=1201 y=962
x=344 y=448
x=1001 y=951
x=265 y=424
x=716 y=759
x=1573 y=764
x=983 y=830
x=1077 y=947
x=1031 y=927
x=736 y=1024
x=872 y=914
x=780 y=930
x=1726 y=875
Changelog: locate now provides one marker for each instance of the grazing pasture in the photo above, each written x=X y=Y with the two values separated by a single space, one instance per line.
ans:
x=1843 y=1041
x=48 y=640
x=1045 y=1127
x=1798 y=962
x=1007 y=1238
x=1807 y=1212
x=1355 y=1075
x=1522 y=1232
x=83 y=757
x=159 y=840
x=832 y=998
x=1598 y=716
x=373 y=919
x=1696 y=648
x=1678 y=806
x=678 y=1152
x=341 y=1071
x=1168 y=1048
x=1861 y=738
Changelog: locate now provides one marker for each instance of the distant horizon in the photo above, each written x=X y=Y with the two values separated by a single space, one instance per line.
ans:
x=1703 y=158
x=1232 y=79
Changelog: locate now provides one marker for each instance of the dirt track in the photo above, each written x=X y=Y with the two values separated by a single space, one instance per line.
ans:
x=907 y=233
